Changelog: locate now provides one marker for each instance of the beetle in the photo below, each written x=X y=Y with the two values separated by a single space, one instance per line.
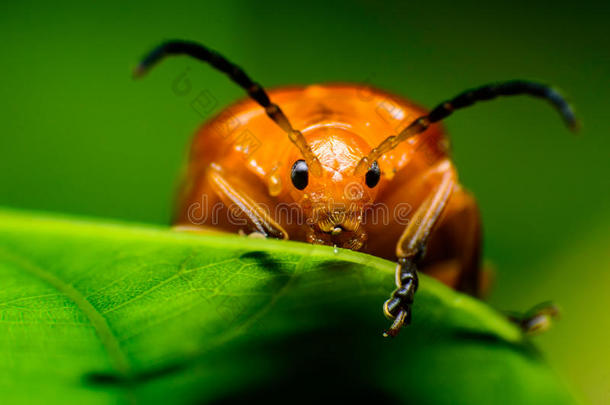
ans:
x=329 y=154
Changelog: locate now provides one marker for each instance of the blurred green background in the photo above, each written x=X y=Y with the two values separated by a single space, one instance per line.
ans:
x=79 y=136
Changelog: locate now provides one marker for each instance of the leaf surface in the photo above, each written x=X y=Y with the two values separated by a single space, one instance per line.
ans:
x=114 y=313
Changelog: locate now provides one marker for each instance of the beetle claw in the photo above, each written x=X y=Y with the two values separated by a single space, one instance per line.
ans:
x=403 y=318
x=539 y=319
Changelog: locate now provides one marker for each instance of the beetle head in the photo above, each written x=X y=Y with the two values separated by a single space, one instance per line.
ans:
x=334 y=202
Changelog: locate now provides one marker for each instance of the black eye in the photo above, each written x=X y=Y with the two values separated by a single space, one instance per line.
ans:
x=300 y=174
x=373 y=175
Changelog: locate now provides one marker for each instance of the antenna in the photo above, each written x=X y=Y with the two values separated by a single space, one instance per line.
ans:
x=466 y=99
x=239 y=77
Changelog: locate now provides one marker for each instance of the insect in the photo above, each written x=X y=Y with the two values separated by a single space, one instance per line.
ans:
x=343 y=165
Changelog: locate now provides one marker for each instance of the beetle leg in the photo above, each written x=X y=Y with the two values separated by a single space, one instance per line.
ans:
x=453 y=253
x=258 y=218
x=537 y=320
x=411 y=246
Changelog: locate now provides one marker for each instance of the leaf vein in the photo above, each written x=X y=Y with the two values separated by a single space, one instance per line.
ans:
x=99 y=323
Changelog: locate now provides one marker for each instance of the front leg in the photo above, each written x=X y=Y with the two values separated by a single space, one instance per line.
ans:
x=260 y=222
x=411 y=247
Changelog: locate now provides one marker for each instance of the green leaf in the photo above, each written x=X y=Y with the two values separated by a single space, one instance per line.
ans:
x=107 y=313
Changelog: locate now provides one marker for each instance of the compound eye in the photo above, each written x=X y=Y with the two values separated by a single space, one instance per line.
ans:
x=300 y=174
x=373 y=175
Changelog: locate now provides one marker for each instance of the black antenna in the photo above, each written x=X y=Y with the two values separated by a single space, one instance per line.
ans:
x=466 y=99
x=239 y=77
x=512 y=88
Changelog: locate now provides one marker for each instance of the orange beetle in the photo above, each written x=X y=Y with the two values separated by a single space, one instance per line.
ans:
x=340 y=179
